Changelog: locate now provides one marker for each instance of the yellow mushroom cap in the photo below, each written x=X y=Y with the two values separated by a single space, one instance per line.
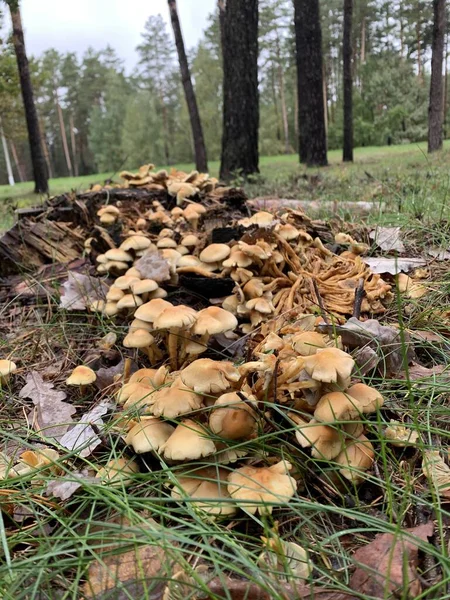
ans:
x=81 y=375
x=129 y=301
x=329 y=364
x=337 y=406
x=355 y=458
x=117 y=254
x=118 y=471
x=369 y=399
x=232 y=418
x=215 y=253
x=326 y=441
x=150 y=434
x=166 y=243
x=143 y=286
x=135 y=242
x=207 y=490
x=125 y=281
x=213 y=320
x=178 y=399
x=7 y=367
x=206 y=376
x=259 y=488
x=190 y=240
x=306 y=343
x=114 y=294
x=151 y=310
x=138 y=338
x=175 y=316
x=189 y=441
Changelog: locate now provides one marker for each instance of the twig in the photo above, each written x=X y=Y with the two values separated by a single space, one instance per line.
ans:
x=320 y=302
x=359 y=295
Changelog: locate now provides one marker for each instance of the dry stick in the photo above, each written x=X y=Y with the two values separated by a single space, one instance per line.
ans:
x=320 y=302
x=359 y=295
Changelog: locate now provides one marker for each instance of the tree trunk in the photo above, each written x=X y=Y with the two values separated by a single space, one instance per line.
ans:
x=240 y=89
x=281 y=83
x=191 y=101
x=63 y=135
x=9 y=170
x=48 y=161
x=348 y=82
x=34 y=138
x=165 y=120
x=325 y=98
x=74 y=145
x=419 y=47
x=445 y=103
x=363 y=41
x=308 y=37
x=16 y=161
x=435 y=109
x=275 y=101
x=296 y=129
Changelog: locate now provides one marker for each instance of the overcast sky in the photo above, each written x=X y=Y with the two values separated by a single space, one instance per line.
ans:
x=73 y=26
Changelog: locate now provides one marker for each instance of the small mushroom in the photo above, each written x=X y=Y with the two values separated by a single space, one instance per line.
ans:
x=189 y=441
x=174 y=319
x=117 y=254
x=207 y=490
x=136 y=243
x=176 y=400
x=207 y=376
x=356 y=457
x=81 y=377
x=118 y=471
x=260 y=488
x=306 y=343
x=142 y=339
x=7 y=368
x=326 y=441
x=335 y=407
x=329 y=365
x=232 y=418
x=212 y=321
x=399 y=435
x=369 y=399
x=148 y=435
x=215 y=253
x=149 y=311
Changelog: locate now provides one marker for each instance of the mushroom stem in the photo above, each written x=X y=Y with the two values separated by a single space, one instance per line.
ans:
x=173 y=347
x=126 y=370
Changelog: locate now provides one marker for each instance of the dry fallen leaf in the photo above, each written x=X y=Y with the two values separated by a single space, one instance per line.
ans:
x=437 y=472
x=82 y=435
x=393 y=265
x=51 y=416
x=439 y=253
x=387 y=238
x=387 y=567
x=153 y=266
x=80 y=291
x=64 y=487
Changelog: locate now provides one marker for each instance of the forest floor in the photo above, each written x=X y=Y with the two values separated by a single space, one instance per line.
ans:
x=47 y=543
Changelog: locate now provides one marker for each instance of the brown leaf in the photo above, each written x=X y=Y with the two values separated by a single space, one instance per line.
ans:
x=153 y=266
x=79 y=291
x=387 y=567
x=139 y=573
x=51 y=416
x=82 y=435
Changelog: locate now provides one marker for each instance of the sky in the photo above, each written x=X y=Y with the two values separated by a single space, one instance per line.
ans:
x=73 y=26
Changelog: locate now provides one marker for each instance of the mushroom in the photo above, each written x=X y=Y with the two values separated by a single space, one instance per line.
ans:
x=213 y=320
x=337 y=406
x=190 y=241
x=125 y=281
x=144 y=286
x=174 y=319
x=326 y=441
x=166 y=243
x=233 y=418
x=114 y=294
x=150 y=310
x=306 y=343
x=207 y=490
x=189 y=441
x=129 y=301
x=206 y=376
x=215 y=253
x=143 y=339
x=330 y=365
x=7 y=367
x=136 y=243
x=259 y=488
x=178 y=399
x=81 y=377
x=148 y=435
x=356 y=457
x=399 y=435
x=369 y=399
x=117 y=254
x=118 y=471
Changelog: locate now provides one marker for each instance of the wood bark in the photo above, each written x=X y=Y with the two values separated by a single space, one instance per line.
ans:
x=191 y=100
x=435 y=109
x=62 y=128
x=240 y=88
x=308 y=37
x=34 y=138
x=282 y=86
x=9 y=170
x=16 y=161
x=419 y=47
x=347 y=52
x=45 y=149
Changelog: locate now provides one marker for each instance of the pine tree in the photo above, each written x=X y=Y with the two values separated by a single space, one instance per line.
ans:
x=348 y=81
x=240 y=88
x=435 y=110
x=308 y=35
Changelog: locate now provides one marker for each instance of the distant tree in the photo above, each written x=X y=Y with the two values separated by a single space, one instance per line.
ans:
x=348 y=81
x=435 y=110
x=34 y=137
x=239 y=23
x=191 y=100
x=308 y=36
